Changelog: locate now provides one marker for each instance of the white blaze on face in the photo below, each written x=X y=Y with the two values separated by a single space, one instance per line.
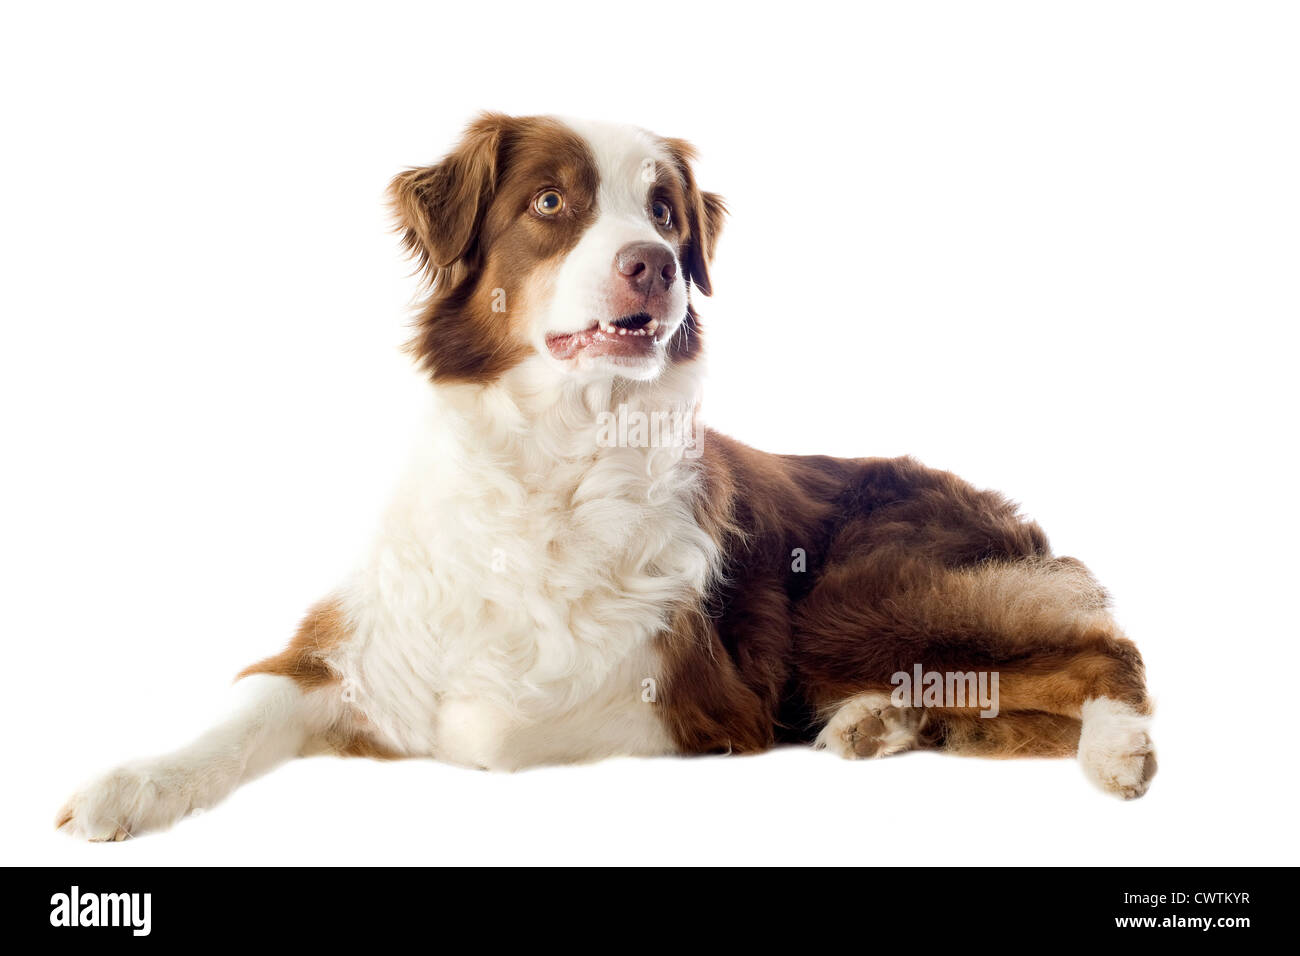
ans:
x=582 y=290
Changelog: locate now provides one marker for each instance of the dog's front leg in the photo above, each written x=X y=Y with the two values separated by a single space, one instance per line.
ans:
x=274 y=719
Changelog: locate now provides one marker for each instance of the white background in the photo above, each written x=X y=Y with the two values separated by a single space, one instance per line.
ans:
x=1051 y=247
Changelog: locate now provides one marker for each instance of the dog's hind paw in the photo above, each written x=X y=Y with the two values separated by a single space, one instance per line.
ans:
x=869 y=725
x=1115 y=749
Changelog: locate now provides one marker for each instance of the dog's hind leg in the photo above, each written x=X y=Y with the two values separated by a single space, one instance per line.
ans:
x=1068 y=679
x=871 y=725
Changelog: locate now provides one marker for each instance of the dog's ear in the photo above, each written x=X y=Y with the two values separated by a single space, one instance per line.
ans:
x=705 y=212
x=438 y=207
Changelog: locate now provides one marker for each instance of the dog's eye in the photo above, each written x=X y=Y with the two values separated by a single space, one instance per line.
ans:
x=549 y=202
x=662 y=213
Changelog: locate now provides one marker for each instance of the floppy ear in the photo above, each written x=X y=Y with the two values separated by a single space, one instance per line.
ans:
x=705 y=212
x=438 y=207
x=712 y=212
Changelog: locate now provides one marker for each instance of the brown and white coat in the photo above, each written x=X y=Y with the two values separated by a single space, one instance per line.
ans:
x=539 y=593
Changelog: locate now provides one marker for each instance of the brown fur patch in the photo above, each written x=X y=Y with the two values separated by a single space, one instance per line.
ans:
x=703 y=214
x=351 y=741
x=712 y=703
x=843 y=572
x=322 y=630
x=1022 y=734
x=469 y=222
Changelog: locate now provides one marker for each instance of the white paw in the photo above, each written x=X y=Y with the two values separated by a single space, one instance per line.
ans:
x=870 y=726
x=1115 y=749
x=133 y=799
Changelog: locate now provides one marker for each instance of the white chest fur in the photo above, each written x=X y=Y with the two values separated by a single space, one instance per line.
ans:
x=507 y=613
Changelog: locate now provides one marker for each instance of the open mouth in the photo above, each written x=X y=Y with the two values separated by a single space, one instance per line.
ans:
x=630 y=337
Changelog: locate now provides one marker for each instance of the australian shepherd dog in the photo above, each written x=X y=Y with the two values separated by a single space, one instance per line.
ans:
x=574 y=566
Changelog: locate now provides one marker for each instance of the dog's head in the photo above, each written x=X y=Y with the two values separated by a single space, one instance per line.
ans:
x=572 y=243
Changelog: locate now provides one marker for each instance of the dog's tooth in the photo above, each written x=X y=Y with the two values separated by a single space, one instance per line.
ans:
x=622 y=331
x=652 y=326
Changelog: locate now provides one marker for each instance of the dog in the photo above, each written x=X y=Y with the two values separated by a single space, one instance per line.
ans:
x=555 y=581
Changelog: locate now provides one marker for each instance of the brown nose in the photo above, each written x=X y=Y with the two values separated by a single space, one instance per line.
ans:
x=649 y=267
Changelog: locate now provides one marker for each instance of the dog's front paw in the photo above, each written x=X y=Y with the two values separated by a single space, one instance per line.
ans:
x=870 y=726
x=1115 y=749
x=129 y=801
